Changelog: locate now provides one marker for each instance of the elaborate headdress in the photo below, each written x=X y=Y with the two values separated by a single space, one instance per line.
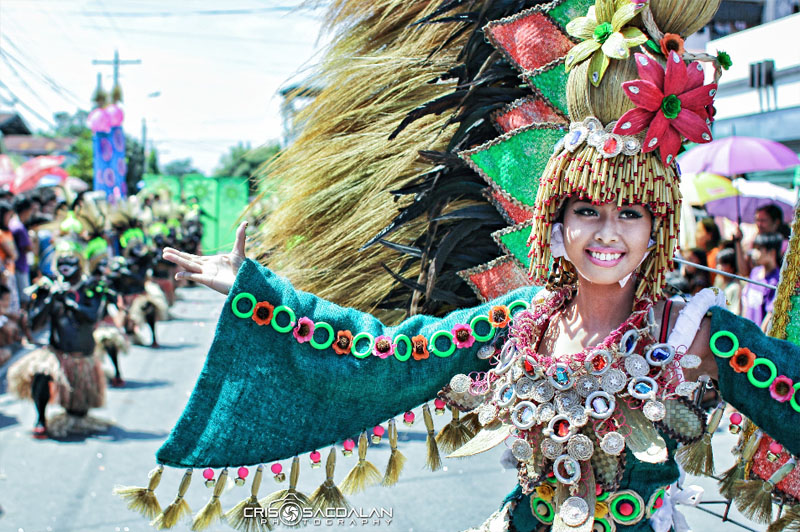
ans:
x=633 y=96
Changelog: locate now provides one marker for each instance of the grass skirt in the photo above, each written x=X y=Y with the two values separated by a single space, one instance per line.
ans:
x=78 y=380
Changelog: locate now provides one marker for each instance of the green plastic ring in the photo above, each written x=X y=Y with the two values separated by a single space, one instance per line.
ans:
x=720 y=334
x=793 y=400
x=517 y=303
x=773 y=370
x=331 y=336
x=602 y=521
x=235 y=305
x=402 y=338
x=368 y=351
x=637 y=509
x=551 y=513
x=603 y=496
x=481 y=337
x=438 y=352
x=289 y=312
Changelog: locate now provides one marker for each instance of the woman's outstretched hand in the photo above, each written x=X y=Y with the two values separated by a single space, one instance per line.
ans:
x=216 y=271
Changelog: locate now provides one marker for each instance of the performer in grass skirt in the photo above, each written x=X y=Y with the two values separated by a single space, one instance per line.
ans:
x=65 y=372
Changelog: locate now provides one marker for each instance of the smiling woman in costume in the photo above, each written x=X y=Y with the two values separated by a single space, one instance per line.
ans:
x=591 y=382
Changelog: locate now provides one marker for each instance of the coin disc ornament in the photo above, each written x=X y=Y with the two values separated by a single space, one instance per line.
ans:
x=574 y=511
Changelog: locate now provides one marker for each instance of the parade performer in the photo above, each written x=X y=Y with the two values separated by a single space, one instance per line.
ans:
x=144 y=301
x=592 y=382
x=67 y=370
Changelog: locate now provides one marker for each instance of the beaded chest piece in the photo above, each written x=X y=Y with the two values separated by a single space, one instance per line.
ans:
x=569 y=418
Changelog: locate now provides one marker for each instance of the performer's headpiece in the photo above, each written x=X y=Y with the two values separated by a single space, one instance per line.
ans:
x=633 y=97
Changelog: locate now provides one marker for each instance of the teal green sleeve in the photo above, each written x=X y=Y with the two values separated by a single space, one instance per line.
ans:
x=262 y=396
x=780 y=420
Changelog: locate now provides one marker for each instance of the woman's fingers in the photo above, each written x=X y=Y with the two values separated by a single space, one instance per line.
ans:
x=238 y=246
x=188 y=265
x=183 y=254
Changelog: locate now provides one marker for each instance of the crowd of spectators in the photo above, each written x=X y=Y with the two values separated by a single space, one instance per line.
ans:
x=758 y=258
x=25 y=250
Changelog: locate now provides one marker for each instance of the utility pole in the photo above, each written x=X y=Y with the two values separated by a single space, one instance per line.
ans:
x=116 y=62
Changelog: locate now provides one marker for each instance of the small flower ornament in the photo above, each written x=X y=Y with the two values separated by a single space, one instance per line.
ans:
x=604 y=35
x=669 y=104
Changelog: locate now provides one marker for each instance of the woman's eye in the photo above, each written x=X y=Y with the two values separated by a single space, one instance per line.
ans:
x=629 y=214
x=585 y=211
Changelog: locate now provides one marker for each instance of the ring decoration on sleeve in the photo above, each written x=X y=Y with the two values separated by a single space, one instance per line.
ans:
x=443 y=343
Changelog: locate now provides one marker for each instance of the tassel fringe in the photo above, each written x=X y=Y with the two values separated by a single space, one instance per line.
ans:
x=328 y=495
x=212 y=511
x=736 y=473
x=280 y=497
x=454 y=434
x=698 y=458
x=789 y=522
x=397 y=460
x=363 y=474
x=754 y=497
x=177 y=508
x=434 y=460
x=143 y=500
x=471 y=422
x=236 y=515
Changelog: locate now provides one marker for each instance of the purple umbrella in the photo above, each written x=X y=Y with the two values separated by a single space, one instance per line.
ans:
x=738 y=155
x=752 y=196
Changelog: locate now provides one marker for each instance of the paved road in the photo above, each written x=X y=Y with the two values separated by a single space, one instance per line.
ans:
x=49 y=486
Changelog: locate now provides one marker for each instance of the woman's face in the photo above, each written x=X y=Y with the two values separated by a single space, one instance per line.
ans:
x=604 y=243
x=7 y=218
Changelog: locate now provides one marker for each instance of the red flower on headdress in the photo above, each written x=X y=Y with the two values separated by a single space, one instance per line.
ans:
x=669 y=105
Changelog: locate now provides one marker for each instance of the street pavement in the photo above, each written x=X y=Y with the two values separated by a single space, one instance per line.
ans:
x=66 y=486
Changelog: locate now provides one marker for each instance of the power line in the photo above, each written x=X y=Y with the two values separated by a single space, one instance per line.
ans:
x=6 y=57
x=30 y=109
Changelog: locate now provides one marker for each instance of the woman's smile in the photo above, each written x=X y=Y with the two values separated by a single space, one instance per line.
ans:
x=605 y=257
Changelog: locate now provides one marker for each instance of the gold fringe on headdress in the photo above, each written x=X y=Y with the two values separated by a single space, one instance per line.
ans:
x=278 y=498
x=237 y=516
x=143 y=500
x=698 y=458
x=396 y=460
x=328 y=495
x=454 y=434
x=364 y=473
x=641 y=178
x=754 y=497
x=177 y=508
x=212 y=511
x=736 y=473
x=433 y=460
x=788 y=522
x=471 y=422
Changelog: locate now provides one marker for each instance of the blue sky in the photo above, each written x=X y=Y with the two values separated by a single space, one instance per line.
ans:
x=217 y=66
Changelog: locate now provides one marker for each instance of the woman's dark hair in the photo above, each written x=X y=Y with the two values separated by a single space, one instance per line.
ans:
x=702 y=257
x=727 y=257
x=5 y=207
x=770 y=242
x=4 y=290
x=711 y=228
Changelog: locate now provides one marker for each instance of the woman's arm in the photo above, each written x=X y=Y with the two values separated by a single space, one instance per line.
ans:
x=288 y=393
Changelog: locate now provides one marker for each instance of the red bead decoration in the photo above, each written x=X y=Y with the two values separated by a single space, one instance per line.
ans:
x=625 y=508
x=315 y=457
x=243 y=472
x=378 y=430
x=349 y=444
x=659 y=502
x=438 y=403
x=775 y=448
x=408 y=417
x=276 y=469
x=736 y=418
x=610 y=145
x=208 y=474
